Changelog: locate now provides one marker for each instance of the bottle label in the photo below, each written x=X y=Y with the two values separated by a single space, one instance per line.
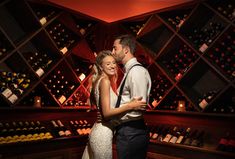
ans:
x=79 y=131
x=84 y=131
x=179 y=140
x=40 y=72
x=203 y=104
x=154 y=136
x=173 y=139
x=64 y=50
x=43 y=20
x=178 y=76
x=88 y=130
x=13 y=98
x=154 y=103
x=82 y=76
x=67 y=133
x=62 y=99
x=7 y=92
x=167 y=138
x=203 y=47
x=61 y=133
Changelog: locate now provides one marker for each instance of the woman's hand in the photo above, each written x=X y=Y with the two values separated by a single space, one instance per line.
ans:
x=137 y=104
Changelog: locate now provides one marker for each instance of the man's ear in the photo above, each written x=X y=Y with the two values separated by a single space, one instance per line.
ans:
x=126 y=49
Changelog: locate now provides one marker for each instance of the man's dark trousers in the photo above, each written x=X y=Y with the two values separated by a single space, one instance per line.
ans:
x=132 y=140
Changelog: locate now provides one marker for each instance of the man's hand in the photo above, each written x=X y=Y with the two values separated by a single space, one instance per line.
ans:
x=138 y=104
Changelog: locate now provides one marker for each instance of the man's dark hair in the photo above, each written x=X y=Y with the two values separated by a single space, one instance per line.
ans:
x=128 y=40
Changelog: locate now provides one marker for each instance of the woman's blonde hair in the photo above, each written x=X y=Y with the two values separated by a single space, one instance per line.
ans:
x=97 y=72
x=98 y=63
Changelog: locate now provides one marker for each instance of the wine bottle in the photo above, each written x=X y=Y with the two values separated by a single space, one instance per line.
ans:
x=63 y=128
x=162 y=134
x=13 y=98
x=156 y=132
x=43 y=20
x=184 y=135
x=207 y=97
x=74 y=127
x=31 y=129
x=223 y=142
x=190 y=137
x=175 y=135
x=227 y=10
x=79 y=128
x=17 y=130
x=87 y=127
x=5 y=91
x=83 y=127
x=231 y=144
x=169 y=134
x=3 y=130
x=58 y=132
x=10 y=129
x=44 y=130
x=182 y=71
x=198 y=139
x=44 y=65
x=22 y=128
x=172 y=21
x=32 y=59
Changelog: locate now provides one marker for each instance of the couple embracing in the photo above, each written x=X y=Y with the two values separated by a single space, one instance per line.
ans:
x=119 y=111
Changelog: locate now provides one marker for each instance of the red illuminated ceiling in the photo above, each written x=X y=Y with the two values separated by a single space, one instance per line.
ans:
x=114 y=10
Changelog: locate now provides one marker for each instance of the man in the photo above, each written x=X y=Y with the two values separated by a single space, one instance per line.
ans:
x=131 y=135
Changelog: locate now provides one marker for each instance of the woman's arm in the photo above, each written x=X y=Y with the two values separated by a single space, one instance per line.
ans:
x=109 y=112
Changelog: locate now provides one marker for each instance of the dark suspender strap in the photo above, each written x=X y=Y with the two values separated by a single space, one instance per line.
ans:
x=122 y=86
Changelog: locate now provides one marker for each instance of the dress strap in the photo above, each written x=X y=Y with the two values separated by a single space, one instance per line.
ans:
x=97 y=93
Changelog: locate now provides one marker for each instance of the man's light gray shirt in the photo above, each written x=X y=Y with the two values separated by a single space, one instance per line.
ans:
x=138 y=84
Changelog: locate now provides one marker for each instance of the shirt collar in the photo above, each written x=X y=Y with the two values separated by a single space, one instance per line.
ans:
x=130 y=63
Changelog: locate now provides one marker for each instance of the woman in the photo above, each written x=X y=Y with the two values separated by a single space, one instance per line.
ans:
x=104 y=97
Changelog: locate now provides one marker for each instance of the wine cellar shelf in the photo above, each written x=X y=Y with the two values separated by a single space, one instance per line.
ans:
x=47 y=53
x=32 y=134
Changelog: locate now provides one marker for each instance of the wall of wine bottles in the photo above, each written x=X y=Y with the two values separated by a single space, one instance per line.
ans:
x=37 y=62
x=47 y=54
x=54 y=54
x=191 y=49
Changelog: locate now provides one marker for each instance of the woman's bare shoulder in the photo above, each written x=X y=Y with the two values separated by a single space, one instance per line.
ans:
x=104 y=82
